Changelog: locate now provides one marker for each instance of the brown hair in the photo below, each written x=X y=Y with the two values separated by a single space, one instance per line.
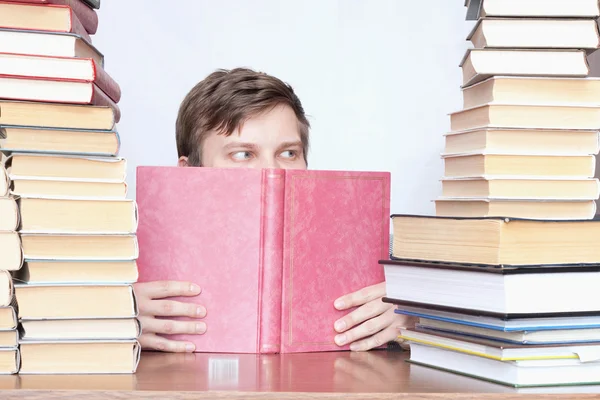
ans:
x=224 y=100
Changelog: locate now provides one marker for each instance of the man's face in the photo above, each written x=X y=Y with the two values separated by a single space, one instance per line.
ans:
x=268 y=140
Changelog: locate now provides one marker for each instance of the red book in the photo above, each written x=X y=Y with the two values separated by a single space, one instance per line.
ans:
x=41 y=17
x=60 y=69
x=53 y=91
x=271 y=249
x=85 y=14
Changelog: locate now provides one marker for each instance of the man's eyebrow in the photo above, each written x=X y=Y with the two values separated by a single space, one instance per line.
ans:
x=240 y=145
x=296 y=143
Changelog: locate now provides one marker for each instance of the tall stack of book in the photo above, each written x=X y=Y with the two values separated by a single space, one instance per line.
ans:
x=69 y=232
x=503 y=279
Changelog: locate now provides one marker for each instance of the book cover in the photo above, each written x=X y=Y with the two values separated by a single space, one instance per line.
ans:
x=271 y=249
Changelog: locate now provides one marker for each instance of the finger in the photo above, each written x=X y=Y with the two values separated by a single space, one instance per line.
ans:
x=150 y=341
x=171 y=327
x=361 y=314
x=172 y=308
x=360 y=297
x=162 y=289
x=376 y=340
x=368 y=328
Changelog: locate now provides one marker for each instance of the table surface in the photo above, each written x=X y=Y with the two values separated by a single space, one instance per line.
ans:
x=370 y=375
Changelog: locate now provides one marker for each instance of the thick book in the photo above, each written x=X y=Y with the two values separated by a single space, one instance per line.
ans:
x=54 y=91
x=528 y=33
x=496 y=241
x=41 y=17
x=499 y=290
x=541 y=91
x=481 y=64
x=63 y=69
x=46 y=43
x=25 y=139
x=532 y=8
x=87 y=15
x=523 y=141
x=271 y=249
x=526 y=373
x=55 y=115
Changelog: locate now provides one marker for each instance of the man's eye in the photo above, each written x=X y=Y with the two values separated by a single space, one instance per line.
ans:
x=289 y=154
x=241 y=155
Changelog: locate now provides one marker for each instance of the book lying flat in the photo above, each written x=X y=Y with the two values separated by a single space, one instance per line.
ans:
x=532 y=8
x=529 y=373
x=585 y=352
x=500 y=290
x=557 y=336
x=271 y=249
x=499 y=241
x=496 y=321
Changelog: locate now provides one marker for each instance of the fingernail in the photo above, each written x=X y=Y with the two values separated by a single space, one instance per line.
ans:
x=200 y=327
x=340 y=326
x=200 y=311
x=194 y=288
x=340 y=340
x=354 y=347
x=190 y=347
x=339 y=304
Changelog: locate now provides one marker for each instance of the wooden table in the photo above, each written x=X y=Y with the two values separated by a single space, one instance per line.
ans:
x=371 y=375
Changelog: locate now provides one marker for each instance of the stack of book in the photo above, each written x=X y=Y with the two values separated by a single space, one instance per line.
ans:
x=502 y=281
x=69 y=232
x=525 y=142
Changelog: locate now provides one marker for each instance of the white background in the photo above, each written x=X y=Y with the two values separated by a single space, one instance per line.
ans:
x=376 y=77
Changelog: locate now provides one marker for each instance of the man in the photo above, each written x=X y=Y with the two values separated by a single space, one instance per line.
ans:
x=243 y=118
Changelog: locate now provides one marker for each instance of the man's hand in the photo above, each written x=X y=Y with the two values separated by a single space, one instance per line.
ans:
x=372 y=324
x=148 y=295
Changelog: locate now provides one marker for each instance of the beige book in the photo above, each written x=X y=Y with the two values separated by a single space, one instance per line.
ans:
x=535 y=33
x=102 y=169
x=494 y=165
x=77 y=247
x=56 y=115
x=521 y=116
x=79 y=357
x=8 y=318
x=9 y=214
x=81 y=329
x=533 y=8
x=40 y=187
x=480 y=64
x=554 y=210
x=56 y=215
x=11 y=250
x=7 y=292
x=59 y=271
x=495 y=241
x=521 y=188
x=533 y=91
x=9 y=339
x=60 y=301
x=4 y=181
x=62 y=141
x=523 y=141
x=10 y=361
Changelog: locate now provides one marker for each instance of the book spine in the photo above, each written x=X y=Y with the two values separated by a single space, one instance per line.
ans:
x=105 y=82
x=269 y=314
x=99 y=98
x=87 y=16
x=77 y=27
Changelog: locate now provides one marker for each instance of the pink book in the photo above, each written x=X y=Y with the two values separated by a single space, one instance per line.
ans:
x=272 y=249
x=87 y=15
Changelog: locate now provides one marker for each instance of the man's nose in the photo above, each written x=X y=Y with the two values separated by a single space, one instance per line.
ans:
x=269 y=162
